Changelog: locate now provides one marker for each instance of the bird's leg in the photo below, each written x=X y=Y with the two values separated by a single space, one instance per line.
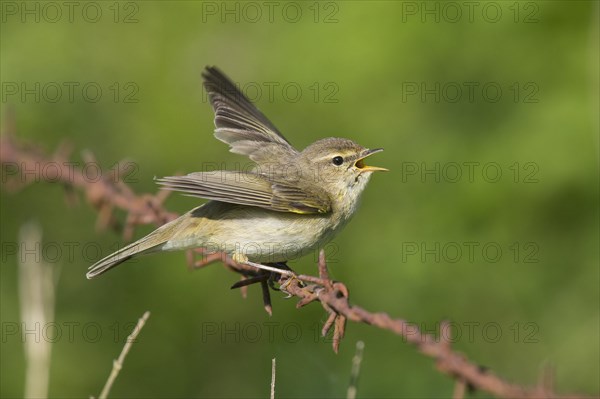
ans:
x=267 y=271
x=284 y=279
x=281 y=269
x=274 y=277
x=281 y=273
x=272 y=267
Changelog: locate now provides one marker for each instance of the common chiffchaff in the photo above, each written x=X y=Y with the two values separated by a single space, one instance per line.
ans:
x=291 y=203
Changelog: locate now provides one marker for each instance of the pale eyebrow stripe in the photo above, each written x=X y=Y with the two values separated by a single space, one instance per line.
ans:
x=344 y=154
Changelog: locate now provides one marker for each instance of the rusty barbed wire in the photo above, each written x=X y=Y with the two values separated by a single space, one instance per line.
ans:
x=108 y=196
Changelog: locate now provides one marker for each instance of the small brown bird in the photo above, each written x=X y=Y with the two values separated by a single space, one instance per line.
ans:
x=291 y=203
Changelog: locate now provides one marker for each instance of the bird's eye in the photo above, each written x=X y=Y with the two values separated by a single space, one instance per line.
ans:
x=337 y=160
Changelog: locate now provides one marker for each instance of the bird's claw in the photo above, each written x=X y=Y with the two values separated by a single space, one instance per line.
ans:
x=290 y=278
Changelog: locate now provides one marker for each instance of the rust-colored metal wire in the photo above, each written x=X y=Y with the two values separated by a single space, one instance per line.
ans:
x=107 y=195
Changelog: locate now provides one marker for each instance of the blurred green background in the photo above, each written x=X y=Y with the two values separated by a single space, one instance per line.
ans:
x=446 y=88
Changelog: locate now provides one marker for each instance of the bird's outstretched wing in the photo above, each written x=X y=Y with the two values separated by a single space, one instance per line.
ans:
x=246 y=188
x=240 y=124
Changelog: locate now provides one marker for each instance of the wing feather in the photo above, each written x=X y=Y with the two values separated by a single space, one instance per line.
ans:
x=239 y=123
x=246 y=188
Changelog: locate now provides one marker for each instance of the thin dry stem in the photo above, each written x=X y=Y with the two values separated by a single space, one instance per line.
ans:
x=36 y=293
x=355 y=372
x=118 y=364
x=272 y=396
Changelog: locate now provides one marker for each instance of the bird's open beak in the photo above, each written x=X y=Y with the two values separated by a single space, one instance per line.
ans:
x=360 y=164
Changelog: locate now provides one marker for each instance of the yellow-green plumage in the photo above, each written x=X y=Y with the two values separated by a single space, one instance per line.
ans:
x=290 y=204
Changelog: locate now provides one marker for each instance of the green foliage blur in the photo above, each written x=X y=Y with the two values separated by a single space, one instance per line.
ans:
x=488 y=114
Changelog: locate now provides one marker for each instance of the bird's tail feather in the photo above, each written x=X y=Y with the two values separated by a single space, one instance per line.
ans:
x=147 y=244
